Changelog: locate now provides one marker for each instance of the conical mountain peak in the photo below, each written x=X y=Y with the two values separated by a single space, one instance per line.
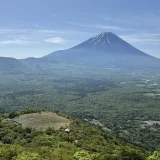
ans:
x=105 y=34
x=101 y=41
x=105 y=49
x=103 y=38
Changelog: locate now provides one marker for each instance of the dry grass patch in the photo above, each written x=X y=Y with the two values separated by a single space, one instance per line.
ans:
x=43 y=120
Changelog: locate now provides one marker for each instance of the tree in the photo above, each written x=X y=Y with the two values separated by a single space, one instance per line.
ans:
x=154 y=156
x=28 y=156
x=13 y=115
x=82 y=155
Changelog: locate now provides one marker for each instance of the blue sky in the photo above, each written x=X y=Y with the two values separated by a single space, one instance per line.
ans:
x=34 y=28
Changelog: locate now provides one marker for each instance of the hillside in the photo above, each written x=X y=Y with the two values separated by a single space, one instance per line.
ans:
x=105 y=50
x=84 y=142
x=40 y=121
x=10 y=63
x=12 y=66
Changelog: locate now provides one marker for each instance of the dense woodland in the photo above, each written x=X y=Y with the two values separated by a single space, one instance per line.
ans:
x=84 y=142
x=120 y=101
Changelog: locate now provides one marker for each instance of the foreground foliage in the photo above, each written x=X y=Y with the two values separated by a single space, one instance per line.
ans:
x=84 y=142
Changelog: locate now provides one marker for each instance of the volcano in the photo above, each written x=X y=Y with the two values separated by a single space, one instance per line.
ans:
x=105 y=50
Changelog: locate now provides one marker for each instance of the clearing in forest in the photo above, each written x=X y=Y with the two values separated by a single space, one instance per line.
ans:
x=43 y=120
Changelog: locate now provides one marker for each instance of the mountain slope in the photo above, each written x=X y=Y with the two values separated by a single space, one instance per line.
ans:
x=10 y=63
x=12 y=66
x=105 y=50
x=84 y=141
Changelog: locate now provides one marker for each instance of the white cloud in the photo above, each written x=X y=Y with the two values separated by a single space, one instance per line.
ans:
x=6 y=31
x=146 y=38
x=81 y=25
x=57 y=40
x=14 y=41
x=110 y=27
x=118 y=20
x=41 y=36
x=101 y=26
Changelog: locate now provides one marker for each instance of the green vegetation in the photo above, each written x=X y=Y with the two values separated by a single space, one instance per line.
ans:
x=84 y=142
x=119 y=100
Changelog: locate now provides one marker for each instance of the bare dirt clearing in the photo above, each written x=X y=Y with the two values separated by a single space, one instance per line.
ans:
x=43 y=120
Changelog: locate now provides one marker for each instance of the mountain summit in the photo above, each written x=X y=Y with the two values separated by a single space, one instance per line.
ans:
x=101 y=40
x=105 y=50
x=108 y=42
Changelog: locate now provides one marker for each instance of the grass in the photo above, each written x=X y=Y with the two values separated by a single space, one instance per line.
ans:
x=43 y=120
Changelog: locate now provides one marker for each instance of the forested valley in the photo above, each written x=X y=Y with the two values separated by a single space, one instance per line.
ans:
x=111 y=101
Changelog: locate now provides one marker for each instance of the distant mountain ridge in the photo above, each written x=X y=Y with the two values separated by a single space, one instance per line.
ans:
x=10 y=63
x=105 y=50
